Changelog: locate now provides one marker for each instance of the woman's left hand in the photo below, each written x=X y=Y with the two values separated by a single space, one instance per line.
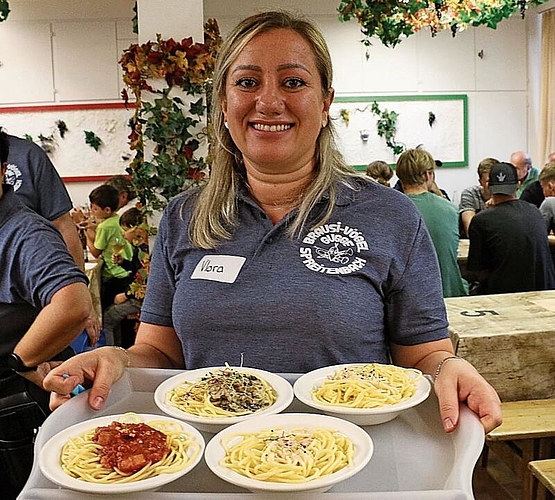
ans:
x=458 y=381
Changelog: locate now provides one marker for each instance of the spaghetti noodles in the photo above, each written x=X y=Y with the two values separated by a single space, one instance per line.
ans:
x=224 y=392
x=367 y=386
x=287 y=456
x=98 y=461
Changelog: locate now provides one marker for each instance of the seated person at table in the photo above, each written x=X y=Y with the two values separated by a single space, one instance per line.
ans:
x=287 y=257
x=474 y=198
x=44 y=304
x=380 y=171
x=106 y=239
x=415 y=168
x=526 y=172
x=508 y=249
x=129 y=303
x=534 y=192
x=547 y=208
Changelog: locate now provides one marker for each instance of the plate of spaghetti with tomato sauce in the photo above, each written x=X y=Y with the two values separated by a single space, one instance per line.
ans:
x=121 y=453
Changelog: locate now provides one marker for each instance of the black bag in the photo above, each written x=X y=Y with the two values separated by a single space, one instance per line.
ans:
x=20 y=418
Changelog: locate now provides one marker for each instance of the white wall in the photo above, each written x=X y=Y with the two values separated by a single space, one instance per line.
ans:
x=498 y=85
x=502 y=86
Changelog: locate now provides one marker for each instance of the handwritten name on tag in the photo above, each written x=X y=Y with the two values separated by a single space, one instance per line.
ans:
x=223 y=268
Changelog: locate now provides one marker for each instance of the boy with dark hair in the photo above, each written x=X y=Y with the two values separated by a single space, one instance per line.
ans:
x=106 y=240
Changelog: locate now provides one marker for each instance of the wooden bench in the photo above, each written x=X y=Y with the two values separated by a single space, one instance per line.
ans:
x=527 y=434
x=544 y=472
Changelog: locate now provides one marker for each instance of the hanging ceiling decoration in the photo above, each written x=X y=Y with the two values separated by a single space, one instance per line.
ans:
x=392 y=21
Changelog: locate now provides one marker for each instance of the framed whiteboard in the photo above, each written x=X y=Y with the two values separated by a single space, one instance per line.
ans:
x=446 y=138
x=74 y=159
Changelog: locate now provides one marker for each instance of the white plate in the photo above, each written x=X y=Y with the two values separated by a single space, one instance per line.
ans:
x=362 y=416
x=363 y=450
x=283 y=389
x=49 y=459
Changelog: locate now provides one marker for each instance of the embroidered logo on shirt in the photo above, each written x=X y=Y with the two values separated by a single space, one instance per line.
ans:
x=13 y=176
x=223 y=268
x=333 y=249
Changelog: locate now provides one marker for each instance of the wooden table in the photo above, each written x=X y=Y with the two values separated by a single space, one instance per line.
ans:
x=462 y=255
x=544 y=471
x=510 y=339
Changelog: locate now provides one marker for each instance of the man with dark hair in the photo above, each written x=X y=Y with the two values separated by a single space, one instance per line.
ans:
x=509 y=251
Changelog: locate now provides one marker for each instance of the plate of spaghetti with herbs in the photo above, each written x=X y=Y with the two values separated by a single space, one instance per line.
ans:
x=363 y=393
x=213 y=398
x=121 y=453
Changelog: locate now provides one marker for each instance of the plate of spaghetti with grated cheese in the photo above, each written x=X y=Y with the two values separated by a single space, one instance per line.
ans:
x=363 y=393
x=289 y=452
x=123 y=453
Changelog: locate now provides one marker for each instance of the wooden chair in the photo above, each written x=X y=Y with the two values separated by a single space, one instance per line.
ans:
x=527 y=434
x=544 y=472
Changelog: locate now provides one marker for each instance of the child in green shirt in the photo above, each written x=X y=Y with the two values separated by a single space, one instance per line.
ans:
x=107 y=239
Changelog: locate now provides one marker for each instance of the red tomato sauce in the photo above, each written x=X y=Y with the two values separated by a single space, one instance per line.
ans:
x=130 y=447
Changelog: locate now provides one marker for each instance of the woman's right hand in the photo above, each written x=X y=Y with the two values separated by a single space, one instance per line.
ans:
x=103 y=367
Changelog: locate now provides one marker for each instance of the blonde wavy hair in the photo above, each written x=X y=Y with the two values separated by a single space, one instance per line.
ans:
x=216 y=212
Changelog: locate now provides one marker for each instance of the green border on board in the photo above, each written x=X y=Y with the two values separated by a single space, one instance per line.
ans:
x=419 y=97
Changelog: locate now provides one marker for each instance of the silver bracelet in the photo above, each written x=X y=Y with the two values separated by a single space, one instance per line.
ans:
x=440 y=365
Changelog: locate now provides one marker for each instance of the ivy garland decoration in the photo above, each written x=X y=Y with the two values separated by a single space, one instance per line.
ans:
x=62 y=128
x=391 y=21
x=171 y=122
x=387 y=127
x=4 y=10
x=93 y=140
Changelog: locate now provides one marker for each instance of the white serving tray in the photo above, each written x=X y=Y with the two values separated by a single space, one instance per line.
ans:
x=414 y=459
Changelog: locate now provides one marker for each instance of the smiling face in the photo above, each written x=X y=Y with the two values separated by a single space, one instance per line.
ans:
x=274 y=104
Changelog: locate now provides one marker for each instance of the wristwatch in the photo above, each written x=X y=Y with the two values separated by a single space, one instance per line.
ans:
x=17 y=364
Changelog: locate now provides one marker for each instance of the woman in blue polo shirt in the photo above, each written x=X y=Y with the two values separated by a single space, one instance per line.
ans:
x=287 y=258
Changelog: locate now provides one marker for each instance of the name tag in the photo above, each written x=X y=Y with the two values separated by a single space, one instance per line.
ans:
x=223 y=268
